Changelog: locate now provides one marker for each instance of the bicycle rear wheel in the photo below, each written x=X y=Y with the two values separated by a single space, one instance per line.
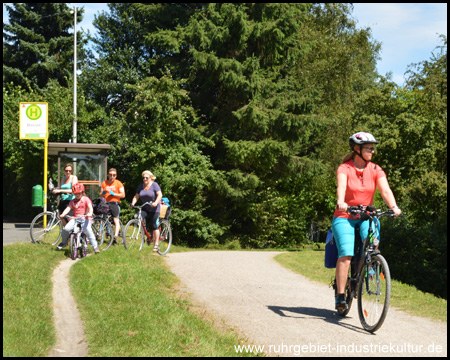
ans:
x=133 y=235
x=50 y=234
x=374 y=292
x=165 y=237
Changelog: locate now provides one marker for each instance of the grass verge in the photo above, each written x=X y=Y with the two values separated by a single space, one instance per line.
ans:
x=407 y=298
x=28 y=328
x=129 y=307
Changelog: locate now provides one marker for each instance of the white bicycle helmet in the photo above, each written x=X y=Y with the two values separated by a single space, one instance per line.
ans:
x=361 y=138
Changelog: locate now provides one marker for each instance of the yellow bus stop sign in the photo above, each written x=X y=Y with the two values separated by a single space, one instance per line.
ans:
x=33 y=120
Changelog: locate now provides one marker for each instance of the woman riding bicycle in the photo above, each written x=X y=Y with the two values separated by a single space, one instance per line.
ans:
x=81 y=205
x=357 y=180
x=150 y=191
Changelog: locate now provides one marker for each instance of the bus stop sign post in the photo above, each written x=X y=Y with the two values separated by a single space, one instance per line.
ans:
x=34 y=126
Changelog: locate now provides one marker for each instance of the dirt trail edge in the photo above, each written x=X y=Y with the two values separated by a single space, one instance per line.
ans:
x=70 y=340
x=288 y=315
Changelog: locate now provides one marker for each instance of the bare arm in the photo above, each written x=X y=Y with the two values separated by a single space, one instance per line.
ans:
x=135 y=199
x=387 y=195
x=341 y=188
x=158 y=198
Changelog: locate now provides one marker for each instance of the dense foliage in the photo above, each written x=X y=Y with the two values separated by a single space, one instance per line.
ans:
x=243 y=112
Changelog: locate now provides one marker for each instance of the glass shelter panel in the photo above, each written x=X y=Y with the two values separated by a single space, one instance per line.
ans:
x=89 y=168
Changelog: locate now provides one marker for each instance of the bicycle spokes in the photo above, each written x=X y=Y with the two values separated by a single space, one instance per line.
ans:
x=374 y=293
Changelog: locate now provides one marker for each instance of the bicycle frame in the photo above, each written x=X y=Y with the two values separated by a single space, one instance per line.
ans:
x=363 y=258
x=142 y=222
x=81 y=238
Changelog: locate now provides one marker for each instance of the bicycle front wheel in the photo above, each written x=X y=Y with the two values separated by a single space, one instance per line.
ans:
x=165 y=237
x=100 y=228
x=73 y=246
x=51 y=233
x=133 y=235
x=374 y=293
x=119 y=239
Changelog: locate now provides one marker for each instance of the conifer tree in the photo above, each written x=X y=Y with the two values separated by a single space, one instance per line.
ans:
x=37 y=45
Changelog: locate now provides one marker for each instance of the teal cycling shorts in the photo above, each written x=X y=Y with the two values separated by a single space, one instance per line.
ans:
x=344 y=233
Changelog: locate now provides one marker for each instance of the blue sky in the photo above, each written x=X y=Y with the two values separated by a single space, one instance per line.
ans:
x=409 y=33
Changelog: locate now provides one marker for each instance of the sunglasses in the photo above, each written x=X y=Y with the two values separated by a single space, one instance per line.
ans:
x=369 y=148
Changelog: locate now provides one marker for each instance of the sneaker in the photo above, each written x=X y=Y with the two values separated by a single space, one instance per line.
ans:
x=96 y=250
x=341 y=304
x=60 y=246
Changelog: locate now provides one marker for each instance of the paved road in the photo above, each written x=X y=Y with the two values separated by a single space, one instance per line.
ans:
x=291 y=315
x=14 y=232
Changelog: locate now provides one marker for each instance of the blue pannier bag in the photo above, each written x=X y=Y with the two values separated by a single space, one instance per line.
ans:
x=331 y=252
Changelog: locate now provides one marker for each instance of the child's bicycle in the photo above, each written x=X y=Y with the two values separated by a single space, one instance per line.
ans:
x=369 y=280
x=78 y=241
x=136 y=231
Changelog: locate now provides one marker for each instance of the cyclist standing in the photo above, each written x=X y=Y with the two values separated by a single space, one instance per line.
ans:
x=81 y=205
x=65 y=190
x=357 y=180
x=112 y=190
x=150 y=191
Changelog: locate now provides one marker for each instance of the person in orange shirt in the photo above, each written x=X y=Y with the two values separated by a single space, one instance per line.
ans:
x=357 y=180
x=112 y=190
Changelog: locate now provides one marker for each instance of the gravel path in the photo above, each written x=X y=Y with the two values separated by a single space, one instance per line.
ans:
x=70 y=341
x=292 y=316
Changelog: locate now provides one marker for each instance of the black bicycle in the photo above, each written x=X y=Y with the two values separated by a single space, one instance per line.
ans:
x=369 y=280
x=103 y=227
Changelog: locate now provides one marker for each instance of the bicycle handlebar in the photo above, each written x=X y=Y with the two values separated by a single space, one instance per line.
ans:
x=84 y=217
x=369 y=211
x=140 y=207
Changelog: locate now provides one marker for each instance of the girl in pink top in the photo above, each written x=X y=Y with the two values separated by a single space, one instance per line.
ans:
x=81 y=205
x=357 y=180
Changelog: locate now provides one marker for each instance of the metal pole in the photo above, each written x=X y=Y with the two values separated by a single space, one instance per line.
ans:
x=75 y=79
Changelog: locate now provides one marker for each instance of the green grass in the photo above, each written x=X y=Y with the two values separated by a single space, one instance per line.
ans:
x=130 y=307
x=310 y=263
x=27 y=299
x=128 y=300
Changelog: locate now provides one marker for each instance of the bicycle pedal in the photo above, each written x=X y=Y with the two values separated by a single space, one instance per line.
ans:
x=341 y=306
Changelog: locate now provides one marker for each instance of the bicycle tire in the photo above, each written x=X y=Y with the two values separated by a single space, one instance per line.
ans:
x=117 y=240
x=132 y=234
x=99 y=228
x=73 y=246
x=51 y=234
x=165 y=237
x=83 y=246
x=374 y=292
